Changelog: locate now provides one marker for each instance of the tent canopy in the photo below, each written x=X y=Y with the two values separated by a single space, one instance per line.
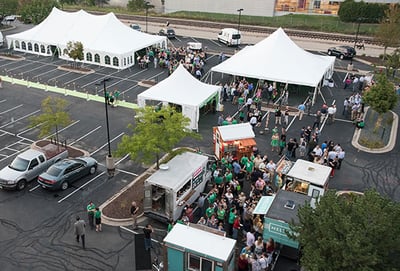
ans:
x=236 y=131
x=277 y=58
x=183 y=89
x=102 y=34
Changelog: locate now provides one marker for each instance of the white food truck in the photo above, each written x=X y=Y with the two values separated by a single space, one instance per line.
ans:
x=175 y=184
x=304 y=177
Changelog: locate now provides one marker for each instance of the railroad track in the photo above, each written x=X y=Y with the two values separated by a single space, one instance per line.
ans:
x=248 y=28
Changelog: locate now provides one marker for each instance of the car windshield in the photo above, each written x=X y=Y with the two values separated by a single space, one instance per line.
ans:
x=19 y=164
x=54 y=171
x=170 y=31
x=236 y=36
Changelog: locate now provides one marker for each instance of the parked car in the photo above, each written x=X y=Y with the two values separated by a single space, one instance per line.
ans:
x=342 y=51
x=168 y=32
x=136 y=27
x=63 y=173
x=229 y=36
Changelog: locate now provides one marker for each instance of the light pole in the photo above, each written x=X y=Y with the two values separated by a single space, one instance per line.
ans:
x=109 y=159
x=358 y=31
x=147 y=12
x=240 y=14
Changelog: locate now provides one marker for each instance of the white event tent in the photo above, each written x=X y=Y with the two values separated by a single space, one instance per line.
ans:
x=183 y=89
x=106 y=40
x=277 y=58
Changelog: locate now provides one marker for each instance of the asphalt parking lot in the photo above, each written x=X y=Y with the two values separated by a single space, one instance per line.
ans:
x=36 y=225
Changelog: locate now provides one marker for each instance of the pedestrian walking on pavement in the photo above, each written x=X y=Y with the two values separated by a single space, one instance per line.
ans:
x=301 y=108
x=97 y=219
x=90 y=210
x=134 y=214
x=148 y=230
x=79 y=229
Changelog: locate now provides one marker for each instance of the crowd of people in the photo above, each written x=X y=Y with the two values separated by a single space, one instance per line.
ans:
x=171 y=58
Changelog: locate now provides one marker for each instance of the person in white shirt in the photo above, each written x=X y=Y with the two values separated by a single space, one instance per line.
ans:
x=331 y=113
x=318 y=151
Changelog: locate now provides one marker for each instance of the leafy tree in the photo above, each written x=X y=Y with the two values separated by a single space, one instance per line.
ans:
x=53 y=115
x=138 y=5
x=388 y=32
x=156 y=132
x=352 y=11
x=8 y=7
x=381 y=97
x=75 y=51
x=393 y=62
x=35 y=11
x=352 y=233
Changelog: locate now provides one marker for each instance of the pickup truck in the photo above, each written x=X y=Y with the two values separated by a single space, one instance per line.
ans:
x=28 y=165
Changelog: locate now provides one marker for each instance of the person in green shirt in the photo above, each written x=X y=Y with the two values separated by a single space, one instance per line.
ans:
x=90 y=210
x=240 y=102
x=231 y=219
x=234 y=121
x=170 y=225
x=212 y=198
x=219 y=179
x=249 y=167
x=97 y=219
x=244 y=160
x=221 y=214
x=228 y=176
x=210 y=211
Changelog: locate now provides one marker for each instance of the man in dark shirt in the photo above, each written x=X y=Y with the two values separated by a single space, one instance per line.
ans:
x=148 y=230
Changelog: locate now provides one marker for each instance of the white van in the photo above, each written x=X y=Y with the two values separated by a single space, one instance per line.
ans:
x=229 y=36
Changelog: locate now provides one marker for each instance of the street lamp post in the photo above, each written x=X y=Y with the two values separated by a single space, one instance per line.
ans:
x=147 y=12
x=358 y=31
x=240 y=14
x=110 y=165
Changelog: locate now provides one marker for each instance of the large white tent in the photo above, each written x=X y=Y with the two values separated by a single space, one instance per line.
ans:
x=183 y=89
x=277 y=58
x=106 y=40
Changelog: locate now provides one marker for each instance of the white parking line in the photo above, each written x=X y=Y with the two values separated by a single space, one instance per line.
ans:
x=23 y=117
x=34 y=188
x=85 y=135
x=106 y=144
x=2 y=101
x=61 y=75
x=216 y=43
x=11 y=109
x=20 y=66
x=65 y=128
x=29 y=129
x=128 y=172
x=80 y=187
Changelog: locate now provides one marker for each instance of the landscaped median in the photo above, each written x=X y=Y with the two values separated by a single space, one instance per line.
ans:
x=376 y=139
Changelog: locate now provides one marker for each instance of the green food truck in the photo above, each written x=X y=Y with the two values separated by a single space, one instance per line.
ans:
x=278 y=211
x=188 y=248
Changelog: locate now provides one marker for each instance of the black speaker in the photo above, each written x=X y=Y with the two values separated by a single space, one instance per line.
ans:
x=142 y=257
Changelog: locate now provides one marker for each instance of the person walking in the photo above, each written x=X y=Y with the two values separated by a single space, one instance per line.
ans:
x=90 y=210
x=1 y=83
x=302 y=108
x=134 y=213
x=79 y=229
x=148 y=230
x=97 y=219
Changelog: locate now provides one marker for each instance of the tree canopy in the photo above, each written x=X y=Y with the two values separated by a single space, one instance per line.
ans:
x=352 y=233
x=388 y=32
x=156 y=132
x=360 y=11
x=75 y=50
x=53 y=115
x=381 y=96
x=35 y=11
x=138 y=5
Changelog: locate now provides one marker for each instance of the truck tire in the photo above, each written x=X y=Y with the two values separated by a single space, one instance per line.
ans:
x=64 y=185
x=21 y=185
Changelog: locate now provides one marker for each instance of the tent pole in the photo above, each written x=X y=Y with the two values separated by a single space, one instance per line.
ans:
x=320 y=93
x=212 y=76
x=314 y=96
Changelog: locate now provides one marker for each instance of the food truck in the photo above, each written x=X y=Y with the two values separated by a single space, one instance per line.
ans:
x=279 y=210
x=237 y=139
x=175 y=184
x=191 y=248
x=304 y=177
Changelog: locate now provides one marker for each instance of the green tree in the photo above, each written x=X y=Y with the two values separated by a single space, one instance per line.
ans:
x=156 y=132
x=54 y=115
x=353 y=233
x=138 y=5
x=388 y=32
x=381 y=97
x=35 y=11
x=8 y=7
x=75 y=51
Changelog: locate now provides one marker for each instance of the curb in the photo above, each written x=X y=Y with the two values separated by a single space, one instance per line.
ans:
x=388 y=147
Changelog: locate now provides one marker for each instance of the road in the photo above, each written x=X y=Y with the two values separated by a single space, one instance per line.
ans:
x=36 y=225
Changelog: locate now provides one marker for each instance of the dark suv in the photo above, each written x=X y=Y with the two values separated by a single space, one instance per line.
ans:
x=168 y=32
x=342 y=51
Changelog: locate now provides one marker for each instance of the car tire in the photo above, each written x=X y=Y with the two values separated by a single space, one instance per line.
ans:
x=341 y=57
x=329 y=52
x=92 y=170
x=21 y=185
x=64 y=185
